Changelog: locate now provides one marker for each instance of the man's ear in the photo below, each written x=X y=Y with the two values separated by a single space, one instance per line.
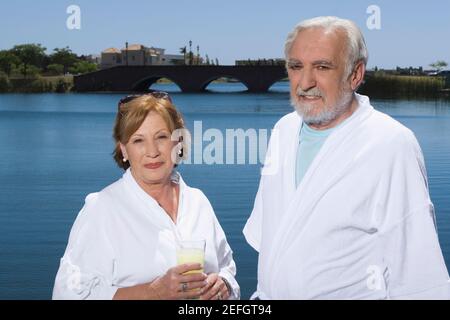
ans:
x=357 y=75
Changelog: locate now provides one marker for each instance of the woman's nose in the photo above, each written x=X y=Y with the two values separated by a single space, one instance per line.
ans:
x=152 y=149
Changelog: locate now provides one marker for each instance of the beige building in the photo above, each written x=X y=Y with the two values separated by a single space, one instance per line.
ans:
x=138 y=55
x=111 y=57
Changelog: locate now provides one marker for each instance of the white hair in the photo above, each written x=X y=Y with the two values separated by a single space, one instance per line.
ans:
x=356 y=46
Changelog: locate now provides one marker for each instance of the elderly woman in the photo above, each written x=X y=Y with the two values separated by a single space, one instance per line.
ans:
x=123 y=242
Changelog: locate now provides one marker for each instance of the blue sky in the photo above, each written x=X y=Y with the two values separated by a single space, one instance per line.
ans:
x=411 y=34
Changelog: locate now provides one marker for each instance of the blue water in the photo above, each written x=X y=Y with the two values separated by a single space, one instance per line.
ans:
x=57 y=148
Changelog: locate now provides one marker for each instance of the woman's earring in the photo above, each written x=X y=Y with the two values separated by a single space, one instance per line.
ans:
x=124 y=160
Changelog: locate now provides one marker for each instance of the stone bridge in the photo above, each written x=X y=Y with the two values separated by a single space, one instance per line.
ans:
x=188 y=78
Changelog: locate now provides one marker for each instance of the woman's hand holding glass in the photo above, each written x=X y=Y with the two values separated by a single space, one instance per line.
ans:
x=175 y=284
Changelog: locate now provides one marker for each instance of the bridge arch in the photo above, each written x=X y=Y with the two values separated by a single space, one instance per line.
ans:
x=145 y=83
x=206 y=83
x=277 y=80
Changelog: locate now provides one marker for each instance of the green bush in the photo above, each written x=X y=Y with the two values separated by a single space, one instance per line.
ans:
x=62 y=86
x=5 y=84
x=81 y=67
x=38 y=86
x=55 y=69
x=32 y=71
x=391 y=86
x=41 y=84
x=49 y=86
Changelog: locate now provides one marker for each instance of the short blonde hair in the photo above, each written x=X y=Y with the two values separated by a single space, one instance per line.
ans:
x=132 y=114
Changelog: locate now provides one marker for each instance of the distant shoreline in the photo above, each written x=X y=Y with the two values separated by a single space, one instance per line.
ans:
x=376 y=86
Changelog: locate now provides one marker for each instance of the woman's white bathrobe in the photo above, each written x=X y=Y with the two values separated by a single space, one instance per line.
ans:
x=122 y=238
x=359 y=226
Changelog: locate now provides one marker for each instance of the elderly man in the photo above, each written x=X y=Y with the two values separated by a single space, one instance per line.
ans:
x=343 y=209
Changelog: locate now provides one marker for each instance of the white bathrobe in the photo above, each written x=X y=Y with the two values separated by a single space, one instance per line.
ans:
x=122 y=238
x=360 y=225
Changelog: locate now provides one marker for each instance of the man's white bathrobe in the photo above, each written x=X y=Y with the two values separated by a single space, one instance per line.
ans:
x=360 y=225
x=122 y=238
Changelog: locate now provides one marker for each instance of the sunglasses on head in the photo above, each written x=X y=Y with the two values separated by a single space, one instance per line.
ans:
x=155 y=94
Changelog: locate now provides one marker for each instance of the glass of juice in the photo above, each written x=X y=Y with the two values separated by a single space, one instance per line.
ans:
x=191 y=251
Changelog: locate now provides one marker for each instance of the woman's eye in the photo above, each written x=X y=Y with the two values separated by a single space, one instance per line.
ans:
x=162 y=137
x=137 y=140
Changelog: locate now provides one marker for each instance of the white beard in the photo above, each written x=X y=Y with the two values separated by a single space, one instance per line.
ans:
x=327 y=114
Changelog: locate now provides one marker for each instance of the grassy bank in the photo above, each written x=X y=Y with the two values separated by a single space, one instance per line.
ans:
x=397 y=87
x=39 y=84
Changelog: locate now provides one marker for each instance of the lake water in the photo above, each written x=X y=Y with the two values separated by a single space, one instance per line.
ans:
x=55 y=149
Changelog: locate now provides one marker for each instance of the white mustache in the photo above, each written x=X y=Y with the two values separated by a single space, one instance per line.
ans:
x=311 y=92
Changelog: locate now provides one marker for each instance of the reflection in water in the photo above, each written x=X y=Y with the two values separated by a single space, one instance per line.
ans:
x=234 y=86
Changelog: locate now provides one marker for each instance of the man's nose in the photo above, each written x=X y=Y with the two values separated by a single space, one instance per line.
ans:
x=307 y=79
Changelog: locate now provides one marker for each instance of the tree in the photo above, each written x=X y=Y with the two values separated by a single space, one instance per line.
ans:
x=198 y=54
x=190 y=52
x=207 y=60
x=183 y=51
x=64 y=57
x=439 y=65
x=7 y=61
x=217 y=62
x=55 y=69
x=29 y=55
x=83 y=67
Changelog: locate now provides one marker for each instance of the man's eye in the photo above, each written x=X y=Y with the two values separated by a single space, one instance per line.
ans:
x=295 y=66
x=323 y=67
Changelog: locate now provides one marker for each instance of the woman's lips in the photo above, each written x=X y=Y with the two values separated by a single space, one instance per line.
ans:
x=155 y=165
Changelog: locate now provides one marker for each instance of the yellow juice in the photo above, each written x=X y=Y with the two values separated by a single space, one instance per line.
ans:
x=191 y=255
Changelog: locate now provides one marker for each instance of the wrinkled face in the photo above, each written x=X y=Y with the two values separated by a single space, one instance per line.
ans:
x=149 y=151
x=320 y=89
